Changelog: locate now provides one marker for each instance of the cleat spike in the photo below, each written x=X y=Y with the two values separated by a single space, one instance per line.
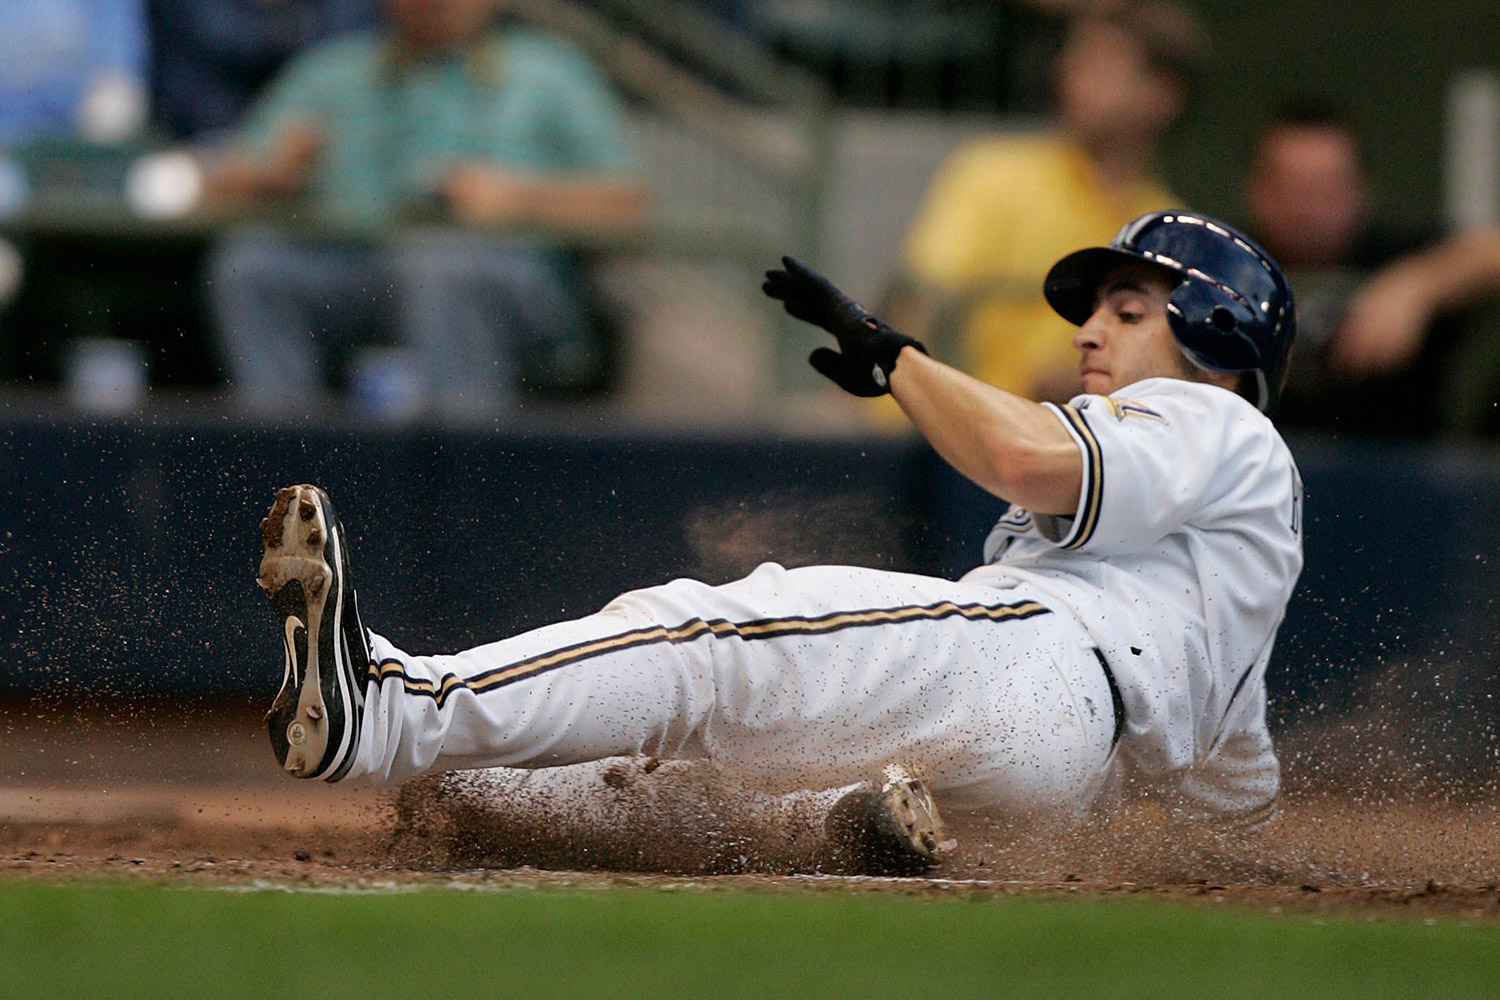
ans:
x=306 y=509
x=314 y=712
x=315 y=537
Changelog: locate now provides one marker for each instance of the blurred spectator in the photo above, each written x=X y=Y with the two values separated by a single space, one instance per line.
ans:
x=1001 y=206
x=1377 y=304
x=72 y=94
x=209 y=58
x=436 y=116
x=72 y=67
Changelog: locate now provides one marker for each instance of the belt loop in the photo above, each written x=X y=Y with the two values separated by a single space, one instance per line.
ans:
x=1114 y=696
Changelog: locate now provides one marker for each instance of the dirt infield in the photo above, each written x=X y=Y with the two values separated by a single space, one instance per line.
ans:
x=163 y=792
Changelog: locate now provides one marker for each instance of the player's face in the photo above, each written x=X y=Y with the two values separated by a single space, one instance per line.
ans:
x=1127 y=338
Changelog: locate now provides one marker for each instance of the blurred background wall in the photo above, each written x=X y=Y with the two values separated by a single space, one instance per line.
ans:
x=1393 y=64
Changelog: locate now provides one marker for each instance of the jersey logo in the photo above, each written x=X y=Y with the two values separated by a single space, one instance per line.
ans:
x=1122 y=408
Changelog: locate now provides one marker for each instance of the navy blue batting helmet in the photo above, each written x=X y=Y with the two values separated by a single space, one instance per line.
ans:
x=1232 y=310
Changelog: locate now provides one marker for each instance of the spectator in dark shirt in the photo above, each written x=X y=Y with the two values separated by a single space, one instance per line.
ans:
x=1377 y=304
x=210 y=58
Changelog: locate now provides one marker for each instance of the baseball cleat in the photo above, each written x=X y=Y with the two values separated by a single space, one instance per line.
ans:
x=314 y=721
x=892 y=828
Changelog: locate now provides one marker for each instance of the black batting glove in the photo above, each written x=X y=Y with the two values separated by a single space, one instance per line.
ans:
x=867 y=347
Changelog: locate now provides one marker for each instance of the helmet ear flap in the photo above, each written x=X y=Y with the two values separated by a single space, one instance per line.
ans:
x=1210 y=322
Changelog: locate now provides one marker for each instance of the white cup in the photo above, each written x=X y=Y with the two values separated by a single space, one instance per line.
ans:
x=113 y=107
x=164 y=185
x=105 y=376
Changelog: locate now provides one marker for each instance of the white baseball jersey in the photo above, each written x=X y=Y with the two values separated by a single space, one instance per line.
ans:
x=1179 y=561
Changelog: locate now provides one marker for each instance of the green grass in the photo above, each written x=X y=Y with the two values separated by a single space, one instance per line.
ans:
x=98 y=940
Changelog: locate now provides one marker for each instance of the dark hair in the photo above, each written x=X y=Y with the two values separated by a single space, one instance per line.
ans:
x=1314 y=113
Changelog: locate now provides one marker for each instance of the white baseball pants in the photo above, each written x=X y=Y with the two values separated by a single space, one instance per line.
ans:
x=809 y=678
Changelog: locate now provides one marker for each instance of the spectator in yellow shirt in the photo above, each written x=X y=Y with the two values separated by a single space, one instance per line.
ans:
x=970 y=278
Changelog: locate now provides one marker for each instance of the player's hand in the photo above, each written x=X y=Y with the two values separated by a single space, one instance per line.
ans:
x=868 y=348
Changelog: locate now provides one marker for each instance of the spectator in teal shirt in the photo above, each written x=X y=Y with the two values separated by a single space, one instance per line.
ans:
x=437 y=117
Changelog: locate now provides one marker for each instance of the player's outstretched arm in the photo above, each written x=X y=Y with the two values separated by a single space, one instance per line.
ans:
x=1009 y=445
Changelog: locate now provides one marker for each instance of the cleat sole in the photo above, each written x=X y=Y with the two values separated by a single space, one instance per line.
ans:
x=313 y=720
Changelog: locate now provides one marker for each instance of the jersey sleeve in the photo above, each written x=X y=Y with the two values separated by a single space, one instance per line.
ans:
x=1150 y=466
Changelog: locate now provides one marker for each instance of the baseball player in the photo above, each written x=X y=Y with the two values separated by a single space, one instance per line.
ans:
x=1123 y=616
